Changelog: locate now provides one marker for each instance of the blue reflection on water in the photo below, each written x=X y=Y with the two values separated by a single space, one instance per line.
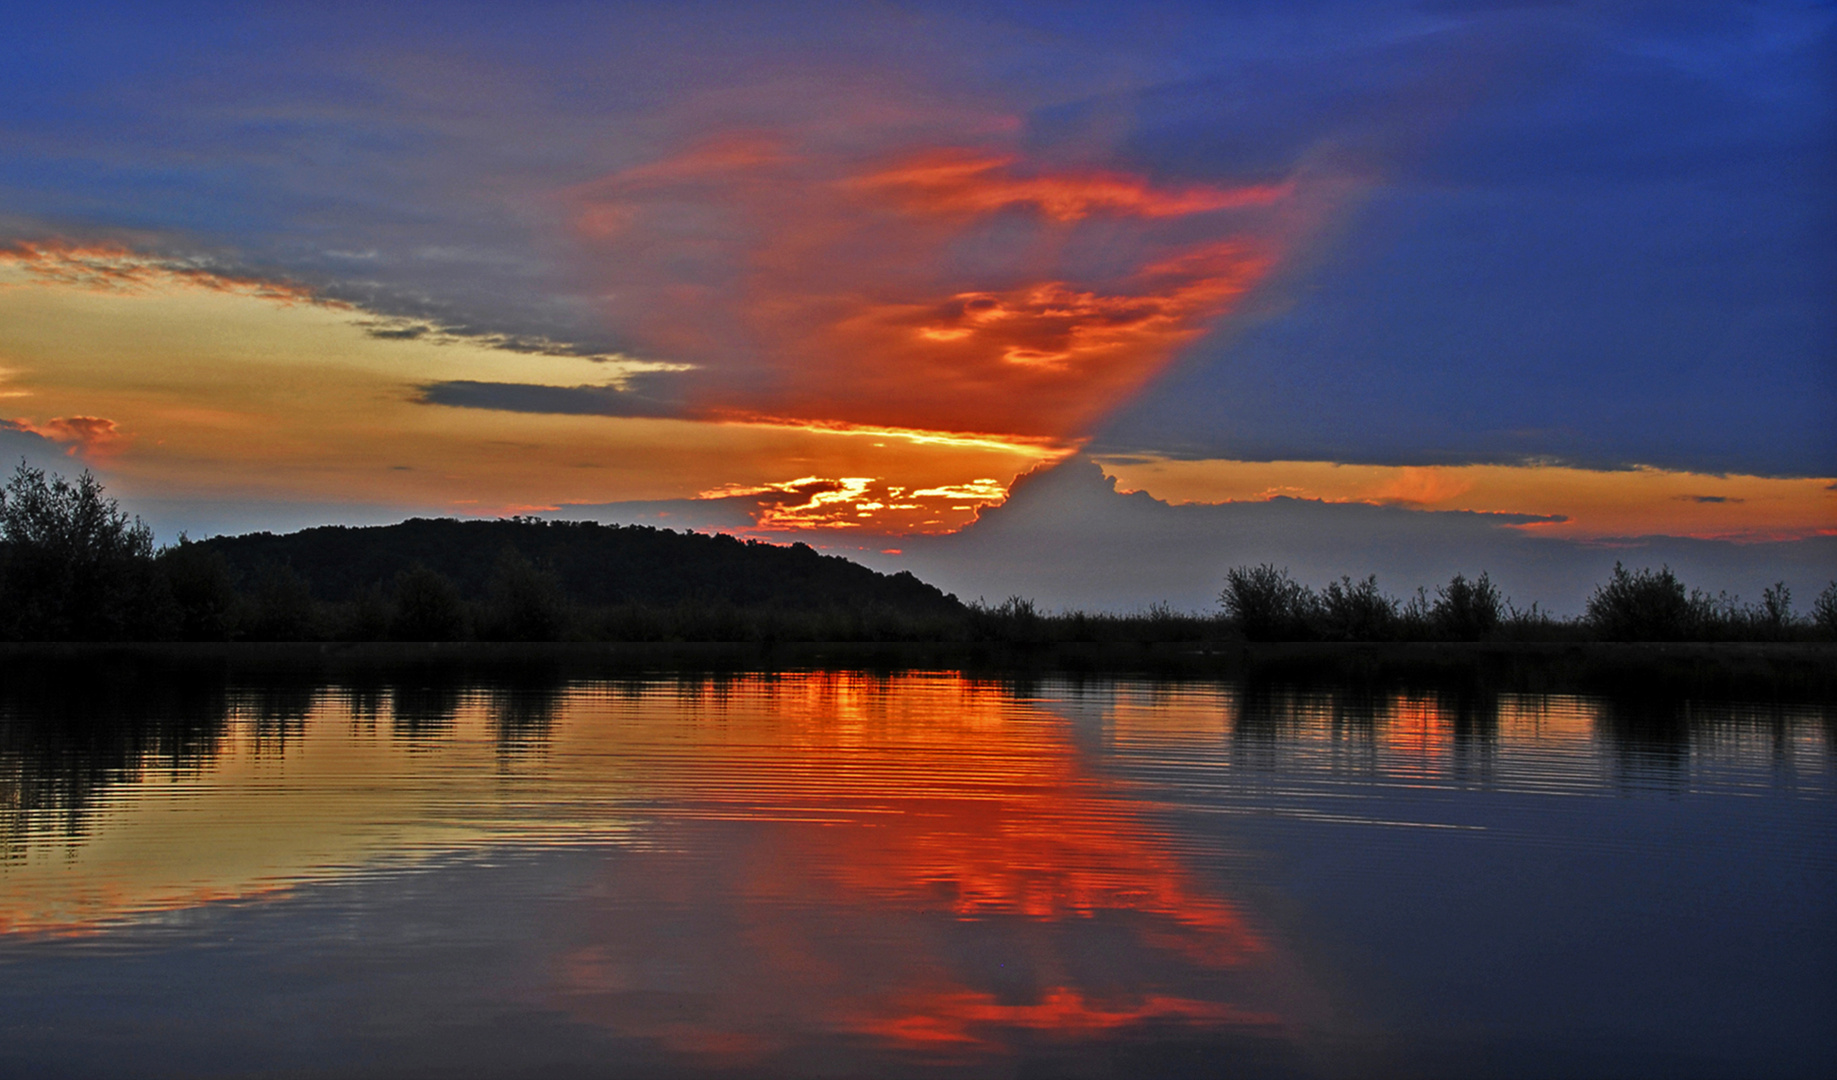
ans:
x=843 y=874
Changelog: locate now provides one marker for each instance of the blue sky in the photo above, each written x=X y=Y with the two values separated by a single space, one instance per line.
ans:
x=1411 y=235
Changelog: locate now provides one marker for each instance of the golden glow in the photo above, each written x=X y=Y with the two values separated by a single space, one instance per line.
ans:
x=184 y=386
x=1592 y=503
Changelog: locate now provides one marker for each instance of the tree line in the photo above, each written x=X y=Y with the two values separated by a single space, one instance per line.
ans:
x=75 y=566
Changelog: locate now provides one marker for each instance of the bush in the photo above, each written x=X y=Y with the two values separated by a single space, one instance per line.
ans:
x=1266 y=603
x=1466 y=610
x=1645 y=605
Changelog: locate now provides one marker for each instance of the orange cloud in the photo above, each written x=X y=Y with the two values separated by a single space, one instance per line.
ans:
x=870 y=504
x=88 y=435
x=1576 y=503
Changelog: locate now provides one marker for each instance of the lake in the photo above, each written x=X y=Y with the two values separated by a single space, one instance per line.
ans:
x=840 y=874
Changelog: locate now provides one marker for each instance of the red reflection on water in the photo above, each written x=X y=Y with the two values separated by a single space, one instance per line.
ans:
x=920 y=861
x=959 y=1016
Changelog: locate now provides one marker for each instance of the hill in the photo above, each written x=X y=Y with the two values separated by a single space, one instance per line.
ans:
x=591 y=564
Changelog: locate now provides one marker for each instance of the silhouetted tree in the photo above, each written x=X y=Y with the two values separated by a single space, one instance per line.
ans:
x=73 y=564
x=198 y=582
x=427 y=607
x=524 y=603
x=282 y=608
x=1467 y=610
x=1824 y=609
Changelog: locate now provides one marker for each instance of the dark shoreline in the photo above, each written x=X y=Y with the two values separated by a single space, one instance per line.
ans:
x=1798 y=671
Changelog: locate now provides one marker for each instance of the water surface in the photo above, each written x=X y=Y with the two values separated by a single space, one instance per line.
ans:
x=845 y=874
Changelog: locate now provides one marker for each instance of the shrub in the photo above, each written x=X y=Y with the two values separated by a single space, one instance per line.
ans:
x=1824 y=609
x=1266 y=603
x=1466 y=610
x=1014 y=619
x=1645 y=605
x=1356 y=611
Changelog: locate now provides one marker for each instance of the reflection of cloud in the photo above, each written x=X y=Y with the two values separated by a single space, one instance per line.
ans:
x=968 y=1017
x=885 y=836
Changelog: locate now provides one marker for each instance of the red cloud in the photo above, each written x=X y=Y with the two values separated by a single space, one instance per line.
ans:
x=950 y=291
x=957 y=183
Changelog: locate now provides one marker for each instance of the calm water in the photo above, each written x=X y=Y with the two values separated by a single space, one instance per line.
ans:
x=853 y=875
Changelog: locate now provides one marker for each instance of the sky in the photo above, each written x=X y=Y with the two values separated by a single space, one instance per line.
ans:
x=1535 y=283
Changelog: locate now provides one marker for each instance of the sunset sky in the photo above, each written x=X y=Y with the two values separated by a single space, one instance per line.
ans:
x=842 y=273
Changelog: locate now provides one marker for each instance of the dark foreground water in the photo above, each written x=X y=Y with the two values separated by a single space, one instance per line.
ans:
x=834 y=874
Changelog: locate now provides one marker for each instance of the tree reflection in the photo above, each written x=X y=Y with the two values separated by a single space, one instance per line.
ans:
x=424 y=710
x=68 y=734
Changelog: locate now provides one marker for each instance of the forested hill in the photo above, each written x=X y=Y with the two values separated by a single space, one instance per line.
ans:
x=591 y=563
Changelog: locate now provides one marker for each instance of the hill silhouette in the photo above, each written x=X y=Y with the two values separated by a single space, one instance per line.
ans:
x=590 y=563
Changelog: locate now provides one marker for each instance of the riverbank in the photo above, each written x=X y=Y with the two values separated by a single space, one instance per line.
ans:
x=1804 y=671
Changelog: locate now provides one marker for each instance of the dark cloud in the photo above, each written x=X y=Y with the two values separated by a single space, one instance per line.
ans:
x=565 y=400
x=19 y=443
x=407 y=332
x=738 y=512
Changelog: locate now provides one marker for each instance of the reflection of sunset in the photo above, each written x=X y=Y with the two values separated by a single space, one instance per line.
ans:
x=875 y=826
x=921 y=865
x=955 y=1017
